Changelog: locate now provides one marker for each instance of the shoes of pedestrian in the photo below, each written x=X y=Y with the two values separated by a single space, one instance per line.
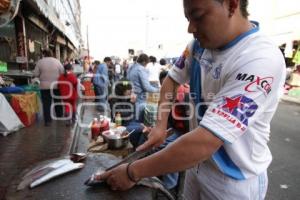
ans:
x=47 y=124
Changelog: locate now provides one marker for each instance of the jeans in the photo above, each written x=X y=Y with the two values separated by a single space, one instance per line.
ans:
x=101 y=97
x=47 y=101
x=169 y=180
x=138 y=137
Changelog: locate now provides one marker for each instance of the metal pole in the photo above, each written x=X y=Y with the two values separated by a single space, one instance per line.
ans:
x=87 y=39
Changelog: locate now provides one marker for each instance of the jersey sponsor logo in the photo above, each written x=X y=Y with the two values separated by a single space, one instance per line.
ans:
x=256 y=82
x=237 y=110
x=180 y=62
x=209 y=68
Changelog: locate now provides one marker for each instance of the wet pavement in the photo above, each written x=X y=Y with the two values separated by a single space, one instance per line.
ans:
x=30 y=145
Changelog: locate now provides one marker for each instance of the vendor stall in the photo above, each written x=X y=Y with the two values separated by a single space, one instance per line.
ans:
x=9 y=121
x=26 y=107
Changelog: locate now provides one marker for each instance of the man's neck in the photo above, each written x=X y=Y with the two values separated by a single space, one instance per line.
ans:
x=244 y=25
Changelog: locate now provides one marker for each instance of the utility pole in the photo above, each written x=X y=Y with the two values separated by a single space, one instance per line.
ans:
x=87 y=39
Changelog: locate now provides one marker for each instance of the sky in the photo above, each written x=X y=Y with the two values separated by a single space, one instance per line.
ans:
x=118 y=25
x=114 y=26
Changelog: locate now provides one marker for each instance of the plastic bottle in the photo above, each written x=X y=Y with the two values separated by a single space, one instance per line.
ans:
x=95 y=129
x=104 y=124
x=118 y=120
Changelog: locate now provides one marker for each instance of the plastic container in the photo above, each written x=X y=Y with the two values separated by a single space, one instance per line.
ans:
x=104 y=124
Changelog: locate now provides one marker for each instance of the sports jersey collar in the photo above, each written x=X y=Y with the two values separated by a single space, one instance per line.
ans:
x=240 y=37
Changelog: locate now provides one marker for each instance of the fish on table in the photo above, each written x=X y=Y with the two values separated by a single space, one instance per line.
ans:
x=57 y=172
x=41 y=174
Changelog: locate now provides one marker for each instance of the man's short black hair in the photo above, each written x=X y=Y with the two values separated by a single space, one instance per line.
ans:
x=243 y=7
x=143 y=58
x=107 y=59
x=97 y=62
x=47 y=53
x=134 y=58
x=152 y=59
x=162 y=61
x=162 y=75
x=121 y=86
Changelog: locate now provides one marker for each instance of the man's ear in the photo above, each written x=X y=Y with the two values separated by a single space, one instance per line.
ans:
x=232 y=6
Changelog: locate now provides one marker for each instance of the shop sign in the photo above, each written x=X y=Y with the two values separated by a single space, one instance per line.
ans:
x=3 y=66
x=21 y=59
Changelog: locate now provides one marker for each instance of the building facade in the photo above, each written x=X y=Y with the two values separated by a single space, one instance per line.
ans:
x=38 y=25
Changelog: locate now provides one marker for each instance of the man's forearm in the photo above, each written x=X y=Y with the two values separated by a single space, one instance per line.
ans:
x=187 y=151
x=167 y=96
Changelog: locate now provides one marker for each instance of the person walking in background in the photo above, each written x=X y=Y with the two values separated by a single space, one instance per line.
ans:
x=48 y=69
x=101 y=83
x=163 y=64
x=125 y=67
x=138 y=75
x=77 y=68
x=118 y=71
x=134 y=59
x=154 y=69
x=67 y=85
x=111 y=72
x=87 y=65
x=236 y=77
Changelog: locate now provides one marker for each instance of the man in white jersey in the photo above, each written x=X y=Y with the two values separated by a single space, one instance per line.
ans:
x=235 y=75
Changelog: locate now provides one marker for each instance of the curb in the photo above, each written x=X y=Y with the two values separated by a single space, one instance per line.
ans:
x=75 y=139
x=76 y=135
x=290 y=99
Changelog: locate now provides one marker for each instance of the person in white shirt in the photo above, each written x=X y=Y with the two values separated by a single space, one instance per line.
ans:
x=236 y=77
x=48 y=70
x=118 y=71
x=154 y=69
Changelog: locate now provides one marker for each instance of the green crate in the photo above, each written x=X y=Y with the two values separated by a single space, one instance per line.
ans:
x=150 y=114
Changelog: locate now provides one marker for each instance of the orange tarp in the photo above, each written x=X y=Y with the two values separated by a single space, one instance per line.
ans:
x=25 y=104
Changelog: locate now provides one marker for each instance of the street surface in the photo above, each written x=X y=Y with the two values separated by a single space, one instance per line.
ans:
x=23 y=149
x=284 y=172
x=28 y=146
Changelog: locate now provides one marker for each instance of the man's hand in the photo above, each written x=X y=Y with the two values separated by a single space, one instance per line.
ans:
x=117 y=178
x=156 y=137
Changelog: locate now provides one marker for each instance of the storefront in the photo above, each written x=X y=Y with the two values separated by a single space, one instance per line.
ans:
x=37 y=40
x=8 y=45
